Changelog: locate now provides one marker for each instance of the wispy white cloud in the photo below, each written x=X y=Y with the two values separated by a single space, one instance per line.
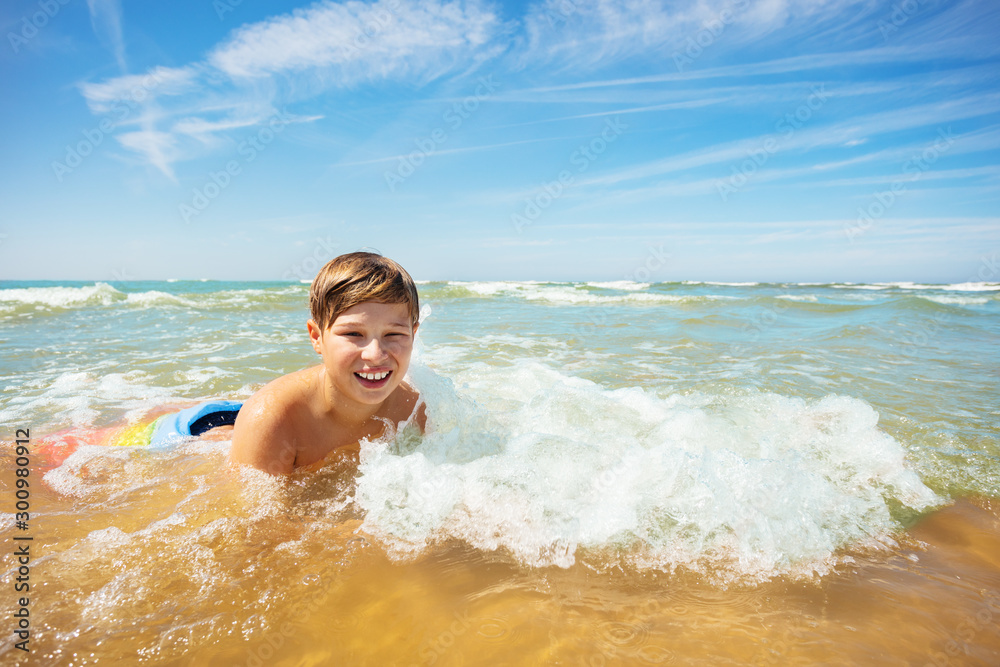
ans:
x=583 y=32
x=331 y=48
x=992 y=171
x=158 y=148
x=971 y=23
x=747 y=95
x=243 y=80
x=833 y=134
x=449 y=151
x=354 y=41
x=816 y=62
x=106 y=19
x=137 y=88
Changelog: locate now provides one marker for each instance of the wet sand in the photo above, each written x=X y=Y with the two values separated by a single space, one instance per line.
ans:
x=237 y=584
x=933 y=603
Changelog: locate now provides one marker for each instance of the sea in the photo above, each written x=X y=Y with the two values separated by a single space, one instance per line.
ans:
x=613 y=473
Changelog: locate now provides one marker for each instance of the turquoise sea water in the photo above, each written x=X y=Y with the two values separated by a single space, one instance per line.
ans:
x=751 y=429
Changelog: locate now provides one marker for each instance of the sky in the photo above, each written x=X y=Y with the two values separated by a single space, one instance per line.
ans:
x=650 y=140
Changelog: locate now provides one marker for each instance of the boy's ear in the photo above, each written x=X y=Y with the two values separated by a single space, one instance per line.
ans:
x=315 y=335
x=415 y=326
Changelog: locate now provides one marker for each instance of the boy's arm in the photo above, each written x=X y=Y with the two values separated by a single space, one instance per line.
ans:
x=260 y=441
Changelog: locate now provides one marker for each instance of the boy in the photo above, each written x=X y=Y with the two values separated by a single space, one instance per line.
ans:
x=364 y=318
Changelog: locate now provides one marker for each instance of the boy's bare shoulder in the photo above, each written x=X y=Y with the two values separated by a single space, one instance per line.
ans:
x=279 y=400
x=264 y=434
x=284 y=393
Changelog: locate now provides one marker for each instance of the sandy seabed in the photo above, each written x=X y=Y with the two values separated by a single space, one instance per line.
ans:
x=297 y=592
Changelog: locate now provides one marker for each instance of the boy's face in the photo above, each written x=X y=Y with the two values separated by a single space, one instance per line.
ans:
x=366 y=350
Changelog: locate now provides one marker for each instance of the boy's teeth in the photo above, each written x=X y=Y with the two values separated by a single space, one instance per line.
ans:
x=374 y=376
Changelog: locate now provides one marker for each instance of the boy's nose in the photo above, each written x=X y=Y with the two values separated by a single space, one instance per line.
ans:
x=373 y=351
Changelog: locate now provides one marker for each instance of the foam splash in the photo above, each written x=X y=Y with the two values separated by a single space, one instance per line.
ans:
x=552 y=469
x=626 y=285
x=954 y=300
x=953 y=287
x=580 y=293
x=974 y=287
x=62 y=297
x=80 y=398
x=723 y=284
x=59 y=298
x=157 y=298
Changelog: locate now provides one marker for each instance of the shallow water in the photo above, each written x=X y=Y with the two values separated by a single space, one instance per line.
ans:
x=614 y=473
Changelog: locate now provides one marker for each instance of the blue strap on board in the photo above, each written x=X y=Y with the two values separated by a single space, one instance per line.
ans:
x=193 y=421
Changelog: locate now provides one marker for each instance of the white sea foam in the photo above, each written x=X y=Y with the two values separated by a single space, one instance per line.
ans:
x=629 y=285
x=552 y=468
x=569 y=295
x=103 y=294
x=955 y=287
x=973 y=287
x=857 y=286
x=575 y=294
x=491 y=288
x=67 y=479
x=714 y=282
x=62 y=297
x=157 y=298
x=955 y=300
x=909 y=285
x=81 y=397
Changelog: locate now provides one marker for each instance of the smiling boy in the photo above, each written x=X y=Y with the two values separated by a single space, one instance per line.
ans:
x=364 y=318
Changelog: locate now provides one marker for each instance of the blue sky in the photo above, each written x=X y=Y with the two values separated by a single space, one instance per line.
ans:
x=771 y=140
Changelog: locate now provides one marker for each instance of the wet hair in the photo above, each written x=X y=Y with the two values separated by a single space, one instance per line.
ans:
x=356 y=277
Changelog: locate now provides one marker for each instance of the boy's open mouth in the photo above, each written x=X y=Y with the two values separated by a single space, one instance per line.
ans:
x=373 y=380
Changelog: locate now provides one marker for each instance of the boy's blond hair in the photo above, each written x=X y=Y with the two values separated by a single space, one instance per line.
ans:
x=357 y=277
